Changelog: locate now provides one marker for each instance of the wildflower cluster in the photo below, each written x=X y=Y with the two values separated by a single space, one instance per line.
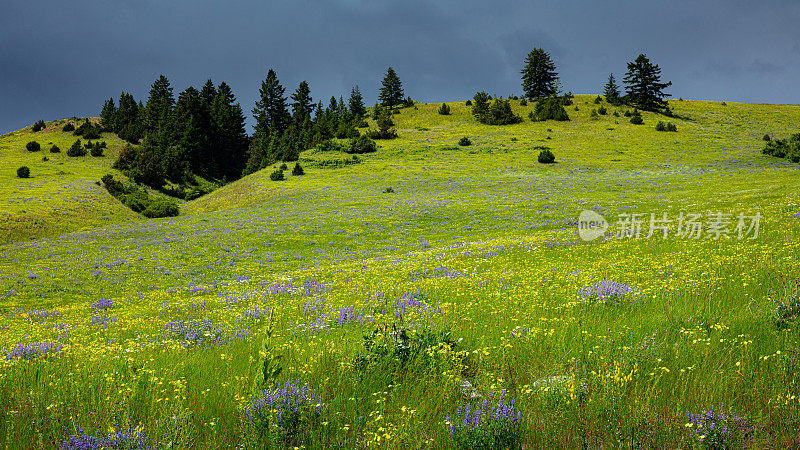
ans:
x=605 y=291
x=33 y=350
x=710 y=429
x=284 y=412
x=203 y=333
x=486 y=425
x=116 y=440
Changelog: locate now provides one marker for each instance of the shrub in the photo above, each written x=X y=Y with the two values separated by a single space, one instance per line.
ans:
x=388 y=190
x=636 y=118
x=284 y=166
x=38 y=126
x=593 y=114
x=767 y=138
x=468 y=103
x=126 y=158
x=498 y=113
x=276 y=175
x=602 y=110
x=627 y=113
x=783 y=148
x=55 y=149
x=96 y=150
x=346 y=130
x=408 y=102
x=786 y=313
x=598 y=100
x=362 y=144
x=113 y=186
x=33 y=146
x=297 y=170
x=661 y=126
x=68 y=127
x=161 y=208
x=671 y=127
x=546 y=156
x=523 y=102
x=549 y=109
x=329 y=145
x=464 y=142
x=24 y=172
x=385 y=124
x=76 y=149
x=444 y=109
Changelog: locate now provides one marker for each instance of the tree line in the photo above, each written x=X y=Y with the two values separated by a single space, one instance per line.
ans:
x=202 y=132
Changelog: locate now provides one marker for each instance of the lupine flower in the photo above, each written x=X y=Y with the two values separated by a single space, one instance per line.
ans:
x=33 y=350
x=605 y=291
x=118 y=440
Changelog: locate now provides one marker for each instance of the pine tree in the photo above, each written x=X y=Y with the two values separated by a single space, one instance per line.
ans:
x=270 y=112
x=539 y=76
x=208 y=93
x=301 y=102
x=356 y=103
x=190 y=112
x=159 y=105
x=391 y=93
x=611 y=90
x=480 y=106
x=108 y=116
x=644 y=86
x=230 y=153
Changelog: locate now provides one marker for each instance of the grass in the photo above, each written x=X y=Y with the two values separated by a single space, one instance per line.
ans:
x=483 y=237
x=61 y=196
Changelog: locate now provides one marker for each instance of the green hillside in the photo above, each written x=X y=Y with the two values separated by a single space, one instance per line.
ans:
x=397 y=308
x=61 y=196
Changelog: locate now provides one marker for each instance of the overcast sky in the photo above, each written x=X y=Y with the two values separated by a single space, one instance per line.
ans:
x=63 y=58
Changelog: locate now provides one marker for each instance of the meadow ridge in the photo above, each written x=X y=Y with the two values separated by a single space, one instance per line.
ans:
x=384 y=314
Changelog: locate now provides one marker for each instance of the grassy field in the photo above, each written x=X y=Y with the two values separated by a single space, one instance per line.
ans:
x=387 y=304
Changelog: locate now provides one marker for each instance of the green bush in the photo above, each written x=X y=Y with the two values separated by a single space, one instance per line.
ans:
x=24 y=172
x=523 y=102
x=161 y=208
x=464 y=141
x=549 y=109
x=598 y=100
x=636 y=118
x=38 y=126
x=297 y=170
x=602 y=110
x=362 y=144
x=499 y=112
x=126 y=158
x=468 y=103
x=329 y=145
x=385 y=124
x=33 y=146
x=671 y=127
x=68 y=127
x=546 y=156
x=76 y=149
x=593 y=114
x=277 y=175
x=444 y=110
x=96 y=150
x=767 y=138
x=661 y=126
x=784 y=148
x=284 y=166
x=55 y=149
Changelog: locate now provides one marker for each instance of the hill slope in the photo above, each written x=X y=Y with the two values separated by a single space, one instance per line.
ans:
x=385 y=304
x=61 y=196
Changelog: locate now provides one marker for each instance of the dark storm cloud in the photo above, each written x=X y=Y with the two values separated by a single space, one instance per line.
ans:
x=59 y=59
